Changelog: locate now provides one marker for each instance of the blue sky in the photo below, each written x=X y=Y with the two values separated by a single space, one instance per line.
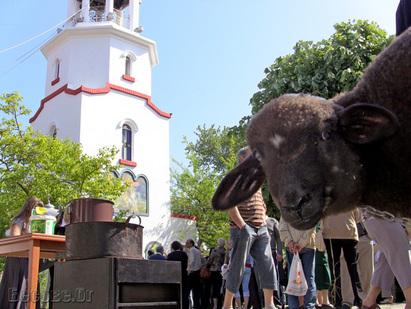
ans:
x=212 y=53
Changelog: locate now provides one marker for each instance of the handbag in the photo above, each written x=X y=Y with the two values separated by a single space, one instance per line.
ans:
x=319 y=241
x=205 y=272
x=297 y=284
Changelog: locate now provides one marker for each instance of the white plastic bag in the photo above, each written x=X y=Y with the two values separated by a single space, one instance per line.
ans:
x=297 y=285
x=224 y=271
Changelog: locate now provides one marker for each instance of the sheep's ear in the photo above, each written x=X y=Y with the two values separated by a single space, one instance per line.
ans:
x=366 y=123
x=239 y=184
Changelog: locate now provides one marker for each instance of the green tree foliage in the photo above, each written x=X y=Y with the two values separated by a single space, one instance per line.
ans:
x=210 y=157
x=325 y=68
x=32 y=164
x=215 y=148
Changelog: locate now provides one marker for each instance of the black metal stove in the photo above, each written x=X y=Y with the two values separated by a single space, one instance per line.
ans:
x=117 y=283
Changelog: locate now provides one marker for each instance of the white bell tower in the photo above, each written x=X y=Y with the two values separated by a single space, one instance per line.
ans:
x=98 y=93
x=101 y=44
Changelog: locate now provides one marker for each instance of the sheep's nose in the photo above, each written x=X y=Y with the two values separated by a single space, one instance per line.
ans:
x=299 y=207
x=304 y=200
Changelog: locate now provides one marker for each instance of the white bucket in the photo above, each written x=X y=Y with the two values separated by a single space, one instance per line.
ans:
x=42 y=224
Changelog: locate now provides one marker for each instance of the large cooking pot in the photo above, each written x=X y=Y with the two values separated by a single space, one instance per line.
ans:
x=87 y=240
x=89 y=210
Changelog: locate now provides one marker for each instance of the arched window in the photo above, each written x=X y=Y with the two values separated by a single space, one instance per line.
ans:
x=135 y=199
x=129 y=58
x=126 y=143
x=141 y=194
x=152 y=245
x=53 y=131
x=57 y=69
x=128 y=66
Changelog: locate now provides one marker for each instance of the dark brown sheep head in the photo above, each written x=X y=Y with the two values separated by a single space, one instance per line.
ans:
x=306 y=148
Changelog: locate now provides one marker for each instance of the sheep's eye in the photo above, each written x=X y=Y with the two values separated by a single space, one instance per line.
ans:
x=326 y=135
x=257 y=155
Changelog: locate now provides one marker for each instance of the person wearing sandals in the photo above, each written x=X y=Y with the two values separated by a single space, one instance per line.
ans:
x=249 y=235
x=394 y=260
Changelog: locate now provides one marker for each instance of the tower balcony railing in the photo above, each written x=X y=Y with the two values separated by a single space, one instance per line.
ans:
x=98 y=15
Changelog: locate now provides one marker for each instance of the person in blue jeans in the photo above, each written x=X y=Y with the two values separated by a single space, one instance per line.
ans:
x=249 y=236
x=244 y=285
x=303 y=243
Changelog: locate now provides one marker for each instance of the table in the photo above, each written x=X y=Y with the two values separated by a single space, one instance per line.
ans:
x=34 y=247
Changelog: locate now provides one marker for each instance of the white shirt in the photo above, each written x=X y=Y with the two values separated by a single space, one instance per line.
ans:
x=195 y=260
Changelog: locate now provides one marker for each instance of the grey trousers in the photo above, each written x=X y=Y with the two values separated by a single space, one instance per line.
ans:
x=395 y=259
x=256 y=242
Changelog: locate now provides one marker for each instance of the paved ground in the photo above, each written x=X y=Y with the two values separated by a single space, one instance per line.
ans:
x=393 y=306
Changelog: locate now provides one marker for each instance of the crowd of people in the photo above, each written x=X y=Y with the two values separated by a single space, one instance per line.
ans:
x=247 y=270
x=343 y=276
x=360 y=261
x=361 y=257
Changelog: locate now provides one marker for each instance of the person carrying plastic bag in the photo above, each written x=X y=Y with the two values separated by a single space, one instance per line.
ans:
x=297 y=285
x=300 y=252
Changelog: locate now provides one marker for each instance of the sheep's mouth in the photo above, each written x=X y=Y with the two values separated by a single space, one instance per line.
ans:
x=307 y=213
x=307 y=223
x=299 y=219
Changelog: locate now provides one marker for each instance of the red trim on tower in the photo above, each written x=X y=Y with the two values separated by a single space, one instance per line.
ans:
x=127 y=162
x=129 y=78
x=55 y=81
x=183 y=216
x=107 y=89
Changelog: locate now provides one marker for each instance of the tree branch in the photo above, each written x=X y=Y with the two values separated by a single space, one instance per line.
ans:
x=23 y=187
